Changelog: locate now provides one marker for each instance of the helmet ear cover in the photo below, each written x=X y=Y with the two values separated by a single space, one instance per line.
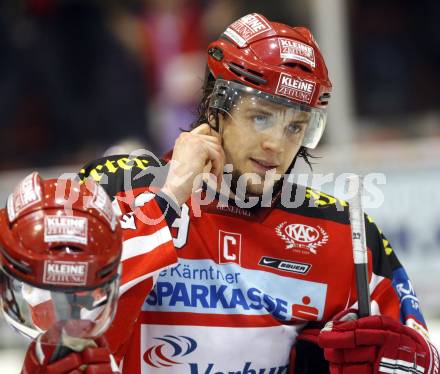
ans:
x=223 y=96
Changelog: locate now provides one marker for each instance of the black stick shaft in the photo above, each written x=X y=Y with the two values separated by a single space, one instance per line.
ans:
x=357 y=223
x=363 y=290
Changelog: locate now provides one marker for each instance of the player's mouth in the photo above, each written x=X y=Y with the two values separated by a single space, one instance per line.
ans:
x=263 y=165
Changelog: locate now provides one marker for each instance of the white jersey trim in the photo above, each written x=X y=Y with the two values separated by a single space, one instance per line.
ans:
x=143 y=244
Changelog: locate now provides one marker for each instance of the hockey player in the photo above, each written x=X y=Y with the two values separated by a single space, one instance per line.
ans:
x=259 y=275
x=60 y=251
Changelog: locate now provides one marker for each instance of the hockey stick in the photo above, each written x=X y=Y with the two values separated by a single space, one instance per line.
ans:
x=357 y=223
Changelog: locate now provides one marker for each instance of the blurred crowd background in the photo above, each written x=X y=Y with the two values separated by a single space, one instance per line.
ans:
x=80 y=78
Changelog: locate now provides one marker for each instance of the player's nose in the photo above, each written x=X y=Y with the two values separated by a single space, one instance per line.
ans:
x=273 y=141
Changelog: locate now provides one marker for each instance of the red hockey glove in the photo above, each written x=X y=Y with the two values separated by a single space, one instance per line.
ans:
x=68 y=356
x=376 y=344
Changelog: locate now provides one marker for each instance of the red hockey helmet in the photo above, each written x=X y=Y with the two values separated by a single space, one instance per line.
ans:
x=60 y=246
x=271 y=62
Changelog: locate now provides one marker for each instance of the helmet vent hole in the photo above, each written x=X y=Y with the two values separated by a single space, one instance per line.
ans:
x=323 y=99
x=67 y=249
x=294 y=65
x=248 y=75
x=18 y=265
x=233 y=64
x=251 y=81
x=255 y=72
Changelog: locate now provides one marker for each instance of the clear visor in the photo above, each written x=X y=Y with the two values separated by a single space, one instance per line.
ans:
x=81 y=313
x=268 y=114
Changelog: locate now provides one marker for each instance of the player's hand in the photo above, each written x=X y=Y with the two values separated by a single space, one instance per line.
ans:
x=194 y=152
x=82 y=356
x=376 y=344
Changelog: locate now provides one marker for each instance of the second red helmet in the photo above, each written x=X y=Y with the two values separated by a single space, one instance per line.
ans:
x=60 y=249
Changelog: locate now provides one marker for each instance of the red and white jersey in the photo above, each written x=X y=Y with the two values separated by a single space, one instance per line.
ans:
x=246 y=281
x=147 y=250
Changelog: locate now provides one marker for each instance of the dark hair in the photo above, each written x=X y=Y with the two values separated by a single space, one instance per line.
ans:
x=203 y=113
x=203 y=107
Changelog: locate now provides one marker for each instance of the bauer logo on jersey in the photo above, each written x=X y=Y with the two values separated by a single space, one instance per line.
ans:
x=295 y=88
x=284 y=265
x=302 y=237
x=229 y=247
x=246 y=28
x=294 y=50
x=65 y=228
x=65 y=273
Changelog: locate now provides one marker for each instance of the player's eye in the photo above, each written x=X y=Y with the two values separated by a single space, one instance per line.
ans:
x=296 y=128
x=260 y=119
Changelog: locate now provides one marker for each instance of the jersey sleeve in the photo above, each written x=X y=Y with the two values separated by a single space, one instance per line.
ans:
x=147 y=242
x=147 y=249
x=391 y=290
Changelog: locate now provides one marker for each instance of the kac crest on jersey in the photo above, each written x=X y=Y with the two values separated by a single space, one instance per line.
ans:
x=301 y=236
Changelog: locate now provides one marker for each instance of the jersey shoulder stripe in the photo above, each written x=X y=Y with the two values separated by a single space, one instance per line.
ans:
x=125 y=172
x=306 y=201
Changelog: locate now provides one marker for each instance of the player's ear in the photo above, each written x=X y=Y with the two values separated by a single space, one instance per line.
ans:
x=210 y=115
x=215 y=120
